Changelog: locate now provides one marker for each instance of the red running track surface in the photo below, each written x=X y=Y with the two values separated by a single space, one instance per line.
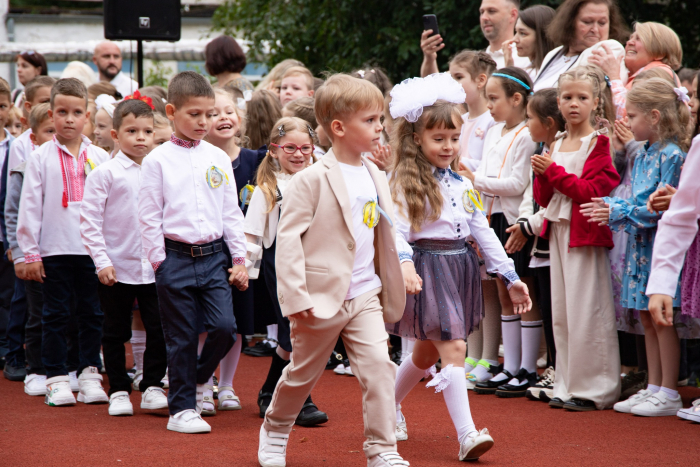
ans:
x=526 y=432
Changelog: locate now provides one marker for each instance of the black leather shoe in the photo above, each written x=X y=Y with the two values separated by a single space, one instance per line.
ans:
x=526 y=380
x=310 y=415
x=335 y=360
x=580 y=405
x=490 y=387
x=556 y=403
x=261 y=349
x=264 y=399
x=14 y=373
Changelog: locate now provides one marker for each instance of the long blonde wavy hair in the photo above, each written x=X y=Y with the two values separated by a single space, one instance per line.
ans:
x=413 y=184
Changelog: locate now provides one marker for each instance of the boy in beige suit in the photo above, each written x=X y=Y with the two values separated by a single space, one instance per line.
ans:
x=338 y=273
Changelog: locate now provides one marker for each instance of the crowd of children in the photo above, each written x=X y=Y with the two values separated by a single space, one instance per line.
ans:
x=185 y=220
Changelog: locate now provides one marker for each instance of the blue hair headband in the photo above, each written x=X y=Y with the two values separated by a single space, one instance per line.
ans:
x=512 y=78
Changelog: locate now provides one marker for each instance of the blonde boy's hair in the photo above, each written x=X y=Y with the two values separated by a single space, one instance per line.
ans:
x=661 y=42
x=301 y=71
x=38 y=115
x=15 y=115
x=342 y=95
x=5 y=89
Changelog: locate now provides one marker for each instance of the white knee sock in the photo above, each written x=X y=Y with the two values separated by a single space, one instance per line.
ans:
x=406 y=347
x=138 y=347
x=272 y=334
x=229 y=363
x=457 y=402
x=531 y=333
x=510 y=329
x=407 y=377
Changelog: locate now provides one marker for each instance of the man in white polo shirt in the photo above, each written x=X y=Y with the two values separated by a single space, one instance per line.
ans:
x=108 y=59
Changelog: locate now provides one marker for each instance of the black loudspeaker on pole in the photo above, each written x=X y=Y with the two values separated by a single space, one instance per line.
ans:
x=142 y=20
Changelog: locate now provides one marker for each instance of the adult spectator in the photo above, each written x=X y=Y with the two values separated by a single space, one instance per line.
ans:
x=497 y=20
x=531 y=38
x=224 y=59
x=108 y=59
x=581 y=26
x=30 y=64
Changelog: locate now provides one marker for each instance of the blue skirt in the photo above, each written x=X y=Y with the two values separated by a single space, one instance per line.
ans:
x=450 y=306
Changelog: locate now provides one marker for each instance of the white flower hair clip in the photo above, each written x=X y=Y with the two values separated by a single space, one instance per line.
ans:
x=106 y=102
x=682 y=94
x=410 y=97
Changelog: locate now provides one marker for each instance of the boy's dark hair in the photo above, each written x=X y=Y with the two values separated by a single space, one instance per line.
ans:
x=133 y=107
x=69 y=87
x=37 y=83
x=223 y=54
x=5 y=89
x=186 y=85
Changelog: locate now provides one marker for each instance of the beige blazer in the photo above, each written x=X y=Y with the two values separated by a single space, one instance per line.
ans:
x=316 y=247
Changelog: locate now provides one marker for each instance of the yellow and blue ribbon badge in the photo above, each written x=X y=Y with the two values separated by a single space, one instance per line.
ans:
x=216 y=177
x=471 y=199
x=371 y=213
x=245 y=195
x=89 y=167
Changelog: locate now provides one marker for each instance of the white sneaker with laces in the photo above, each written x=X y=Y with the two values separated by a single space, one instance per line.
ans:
x=188 y=421
x=635 y=399
x=35 y=385
x=475 y=445
x=91 y=390
x=154 y=398
x=74 y=384
x=340 y=369
x=401 y=429
x=272 y=448
x=120 y=404
x=659 y=405
x=387 y=459
x=58 y=391
x=692 y=413
x=138 y=376
x=546 y=381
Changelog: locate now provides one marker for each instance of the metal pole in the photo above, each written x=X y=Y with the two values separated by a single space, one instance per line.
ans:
x=139 y=61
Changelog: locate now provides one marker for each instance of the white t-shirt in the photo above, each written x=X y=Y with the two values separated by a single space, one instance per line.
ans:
x=125 y=85
x=361 y=189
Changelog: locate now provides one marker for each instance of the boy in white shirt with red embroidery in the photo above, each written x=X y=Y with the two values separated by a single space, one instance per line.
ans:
x=48 y=233
x=109 y=225
x=192 y=231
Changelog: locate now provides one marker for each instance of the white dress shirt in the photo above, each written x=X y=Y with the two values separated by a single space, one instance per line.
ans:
x=109 y=220
x=455 y=223
x=178 y=201
x=677 y=228
x=20 y=150
x=500 y=59
x=125 y=85
x=502 y=182
x=49 y=212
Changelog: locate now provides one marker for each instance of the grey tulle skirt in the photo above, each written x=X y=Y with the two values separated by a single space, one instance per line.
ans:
x=450 y=306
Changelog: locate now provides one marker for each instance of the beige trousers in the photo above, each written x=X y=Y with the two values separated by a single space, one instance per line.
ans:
x=583 y=318
x=360 y=323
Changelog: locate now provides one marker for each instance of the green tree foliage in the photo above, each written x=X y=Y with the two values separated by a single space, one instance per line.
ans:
x=341 y=35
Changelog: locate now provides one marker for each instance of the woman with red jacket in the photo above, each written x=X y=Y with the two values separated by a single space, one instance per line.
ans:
x=583 y=314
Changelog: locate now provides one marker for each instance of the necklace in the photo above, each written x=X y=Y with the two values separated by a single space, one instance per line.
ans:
x=508 y=129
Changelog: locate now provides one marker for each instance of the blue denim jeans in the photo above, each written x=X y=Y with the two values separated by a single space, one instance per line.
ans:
x=192 y=291
x=70 y=280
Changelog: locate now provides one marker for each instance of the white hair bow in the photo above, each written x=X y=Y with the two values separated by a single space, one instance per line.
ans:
x=105 y=101
x=682 y=94
x=410 y=97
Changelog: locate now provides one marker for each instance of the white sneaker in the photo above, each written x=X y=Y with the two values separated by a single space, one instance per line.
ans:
x=635 y=399
x=74 y=384
x=138 y=376
x=692 y=413
x=475 y=445
x=659 y=405
x=35 y=385
x=165 y=380
x=387 y=459
x=348 y=371
x=154 y=398
x=58 y=391
x=272 y=448
x=120 y=404
x=340 y=369
x=401 y=430
x=188 y=421
x=200 y=397
x=91 y=390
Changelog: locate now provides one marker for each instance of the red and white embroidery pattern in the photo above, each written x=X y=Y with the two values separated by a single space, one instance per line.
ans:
x=184 y=144
x=73 y=172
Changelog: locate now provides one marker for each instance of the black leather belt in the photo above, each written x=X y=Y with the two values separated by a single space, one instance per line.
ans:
x=194 y=250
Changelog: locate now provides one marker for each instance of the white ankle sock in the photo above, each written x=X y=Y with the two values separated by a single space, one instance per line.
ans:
x=510 y=329
x=671 y=393
x=531 y=335
x=407 y=377
x=653 y=388
x=138 y=347
x=481 y=373
x=272 y=335
x=457 y=401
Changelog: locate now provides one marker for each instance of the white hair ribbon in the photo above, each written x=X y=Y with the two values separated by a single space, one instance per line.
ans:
x=682 y=94
x=410 y=96
x=106 y=102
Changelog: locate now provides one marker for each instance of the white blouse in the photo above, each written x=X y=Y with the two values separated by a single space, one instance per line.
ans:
x=472 y=137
